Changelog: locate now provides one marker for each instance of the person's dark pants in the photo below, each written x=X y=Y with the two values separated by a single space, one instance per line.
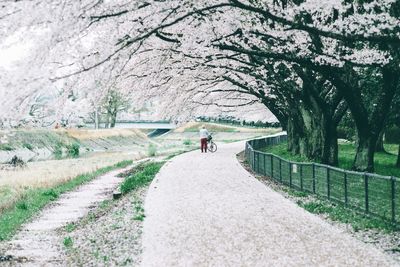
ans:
x=203 y=142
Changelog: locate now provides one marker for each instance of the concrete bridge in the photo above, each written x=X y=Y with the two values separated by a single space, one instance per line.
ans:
x=158 y=127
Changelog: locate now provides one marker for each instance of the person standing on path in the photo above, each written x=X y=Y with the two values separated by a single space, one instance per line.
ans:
x=203 y=139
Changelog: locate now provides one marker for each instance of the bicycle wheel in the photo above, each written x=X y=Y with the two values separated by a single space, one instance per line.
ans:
x=212 y=147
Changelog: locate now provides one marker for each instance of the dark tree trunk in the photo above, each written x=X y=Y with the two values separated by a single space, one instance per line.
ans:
x=293 y=141
x=330 y=151
x=368 y=136
x=322 y=140
x=369 y=124
x=312 y=146
x=293 y=137
x=107 y=122
x=379 y=144
x=333 y=151
x=364 y=159
x=315 y=140
x=113 y=120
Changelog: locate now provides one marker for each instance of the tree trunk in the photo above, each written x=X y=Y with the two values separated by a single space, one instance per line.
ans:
x=330 y=153
x=293 y=137
x=313 y=145
x=321 y=133
x=368 y=124
x=113 y=120
x=107 y=122
x=364 y=159
x=96 y=118
x=379 y=144
x=322 y=141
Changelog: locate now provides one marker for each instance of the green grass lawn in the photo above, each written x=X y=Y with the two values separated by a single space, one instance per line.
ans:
x=385 y=163
x=351 y=189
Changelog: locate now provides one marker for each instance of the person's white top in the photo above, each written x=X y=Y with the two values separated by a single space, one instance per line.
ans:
x=204 y=133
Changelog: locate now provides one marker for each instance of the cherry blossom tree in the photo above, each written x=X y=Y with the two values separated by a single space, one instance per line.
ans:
x=306 y=60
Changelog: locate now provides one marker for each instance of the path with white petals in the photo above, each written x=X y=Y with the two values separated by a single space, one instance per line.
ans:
x=206 y=210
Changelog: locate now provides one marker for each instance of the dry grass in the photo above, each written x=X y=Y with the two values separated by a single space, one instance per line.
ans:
x=45 y=174
x=81 y=134
x=14 y=183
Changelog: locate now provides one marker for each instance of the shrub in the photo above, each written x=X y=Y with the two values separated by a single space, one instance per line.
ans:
x=70 y=227
x=187 y=142
x=58 y=150
x=6 y=147
x=17 y=162
x=152 y=150
x=22 y=206
x=51 y=193
x=27 y=146
x=73 y=150
x=68 y=242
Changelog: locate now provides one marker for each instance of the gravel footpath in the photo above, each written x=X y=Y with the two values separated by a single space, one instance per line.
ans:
x=109 y=236
x=388 y=242
x=38 y=243
x=206 y=210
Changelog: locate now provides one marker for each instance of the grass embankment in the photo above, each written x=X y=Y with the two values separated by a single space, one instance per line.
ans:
x=219 y=128
x=140 y=176
x=35 y=199
x=36 y=138
x=67 y=142
x=379 y=190
x=211 y=128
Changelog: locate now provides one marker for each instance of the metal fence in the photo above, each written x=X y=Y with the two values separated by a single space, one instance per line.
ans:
x=373 y=194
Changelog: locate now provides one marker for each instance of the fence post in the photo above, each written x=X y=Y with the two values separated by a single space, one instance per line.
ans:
x=290 y=174
x=251 y=158
x=272 y=166
x=366 y=192
x=254 y=160
x=280 y=169
x=313 y=178
x=258 y=162
x=393 y=199
x=301 y=176
x=265 y=165
x=328 y=181
x=346 y=198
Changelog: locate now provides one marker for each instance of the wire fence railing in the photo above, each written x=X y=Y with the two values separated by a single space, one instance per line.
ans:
x=373 y=194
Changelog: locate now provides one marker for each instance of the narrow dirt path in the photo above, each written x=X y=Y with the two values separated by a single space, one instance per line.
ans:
x=37 y=244
x=206 y=210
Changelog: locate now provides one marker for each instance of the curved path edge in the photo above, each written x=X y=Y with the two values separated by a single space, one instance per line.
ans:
x=207 y=210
